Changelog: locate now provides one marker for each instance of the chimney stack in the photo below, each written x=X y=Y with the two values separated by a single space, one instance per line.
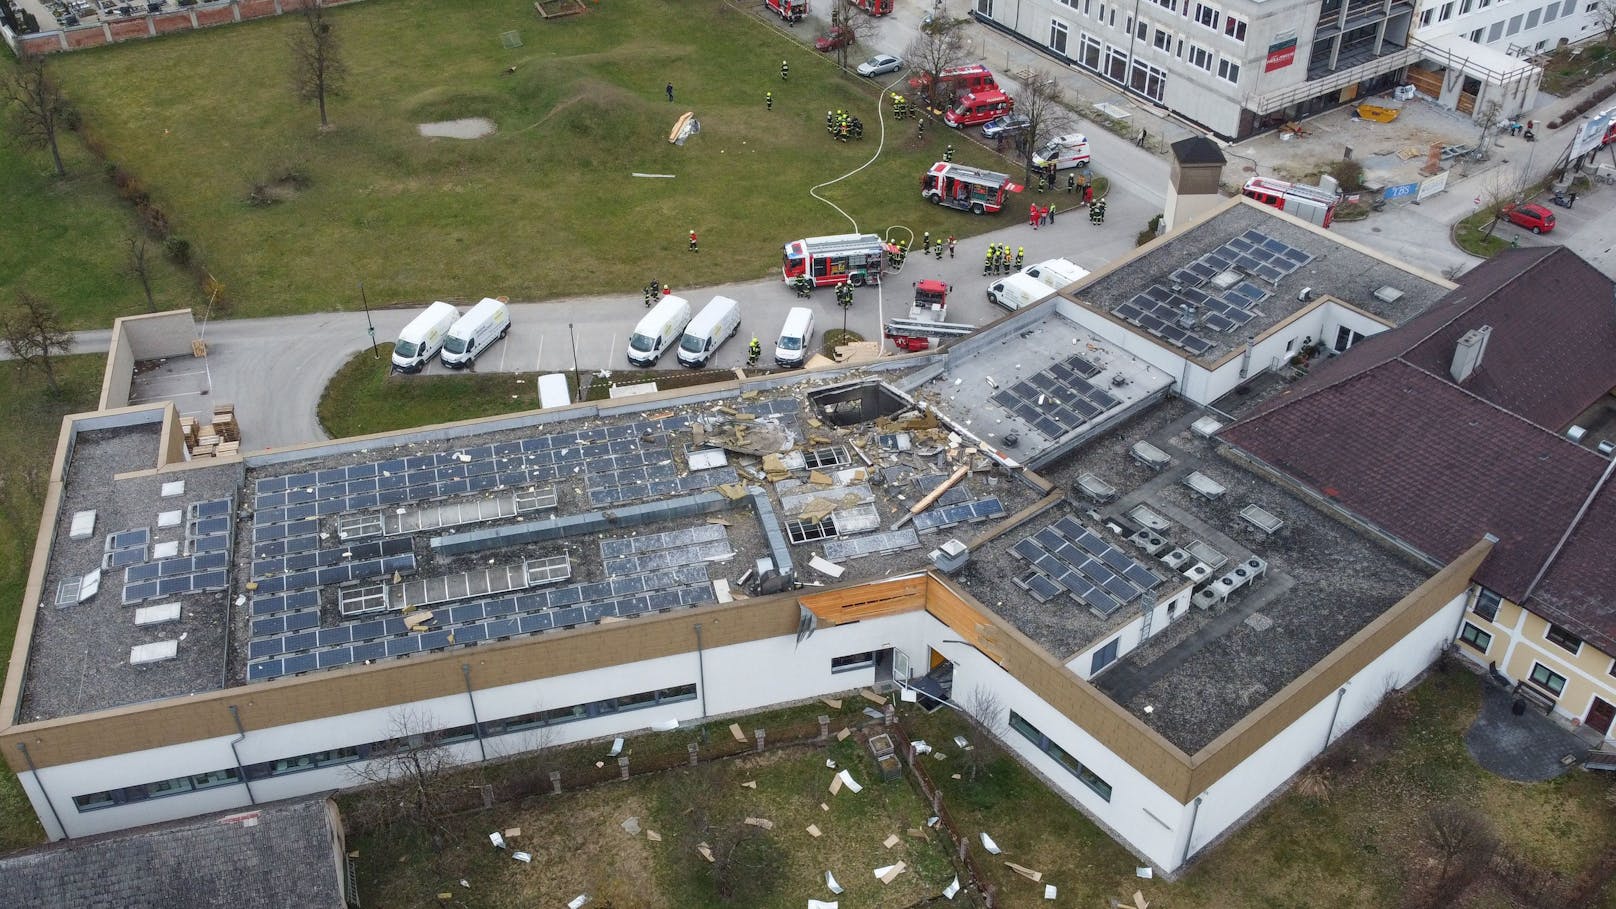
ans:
x=1468 y=352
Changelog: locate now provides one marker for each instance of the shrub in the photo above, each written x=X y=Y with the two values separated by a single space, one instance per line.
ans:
x=178 y=249
x=1348 y=173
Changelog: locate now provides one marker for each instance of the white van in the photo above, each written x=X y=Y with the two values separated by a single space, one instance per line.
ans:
x=554 y=390
x=423 y=337
x=1017 y=291
x=1070 y=150
x=1057 y=273
x=716 y=323
x=659 y=330
x=484 y=324
x=795 y=336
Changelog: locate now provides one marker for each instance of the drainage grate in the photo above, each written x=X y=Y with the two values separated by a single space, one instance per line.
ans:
x=829 y=456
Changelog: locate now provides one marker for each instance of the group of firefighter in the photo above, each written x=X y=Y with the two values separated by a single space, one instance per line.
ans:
x=843 y=126
x=1000 y=261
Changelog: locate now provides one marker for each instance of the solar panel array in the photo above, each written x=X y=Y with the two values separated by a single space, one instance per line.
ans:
x=950 y=515
x=1058 y=400
x=1255 y=254
x=204 y=568
x=126 y=547
x=323 y=567
x=840 y=550
x=1068 y=557
x=656 y=551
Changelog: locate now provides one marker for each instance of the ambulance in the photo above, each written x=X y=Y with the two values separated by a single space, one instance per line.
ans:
x=855 y=259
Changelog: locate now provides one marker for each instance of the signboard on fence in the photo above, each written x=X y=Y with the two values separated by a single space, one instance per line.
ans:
x=1592 y=133
x=1281 y=53
x=1400 y=191
x=1432 y=186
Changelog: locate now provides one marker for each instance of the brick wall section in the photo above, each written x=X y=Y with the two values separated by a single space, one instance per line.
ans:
x=166 y=23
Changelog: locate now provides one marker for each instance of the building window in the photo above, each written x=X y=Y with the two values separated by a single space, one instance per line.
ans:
x=1532 y=17
x=1486 y=604
x=1476 y=35
x=1149 y=80
x=1425 y=17
x=1496 y=32
x=1235 y=28
x=1070 y=3
x=1207 y=16
x=1475 y=637
x=1465 y=6
x=1562 y=638
x=1551 y=12
x=853 y=661
x=1116 y=63
x=1061 y=756
x=985 y=7
x=1447 y=12
x=1163 y=41
x=1170 y=5
x=1547 y=679
x=1200 y=57
x=1057 y=36
x=1229 y=71
x=1088 y=52
x=1514 y=25
x=1105 y=656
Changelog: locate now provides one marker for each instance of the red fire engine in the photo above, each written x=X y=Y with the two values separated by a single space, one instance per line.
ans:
x=874 y=7
x=927 y=319
x=966 y=188
x=854 y=258
x=1310 y=203
x=979 y=107
x=954 y=81
x=789 y=10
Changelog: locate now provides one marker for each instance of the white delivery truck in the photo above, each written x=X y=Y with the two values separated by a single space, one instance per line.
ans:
x=716 y=323
x=1017 y=291
x=1057 y=273
x=659 y=330
x=796 y=334
x=423 y=337
x=553 y=391
x=1070 y=150
x=473 y=332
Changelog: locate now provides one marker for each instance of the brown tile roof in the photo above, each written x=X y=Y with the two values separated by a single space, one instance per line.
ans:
x=1579 y=588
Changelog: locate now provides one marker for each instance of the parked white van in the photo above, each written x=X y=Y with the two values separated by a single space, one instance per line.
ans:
x=481 y=326
x=554 y=391
x=795 y=336
x=1057 y=273
x=1016 y=291
x=716 y=323
x=1070 y=150
x=423 y=337
x=658 y=331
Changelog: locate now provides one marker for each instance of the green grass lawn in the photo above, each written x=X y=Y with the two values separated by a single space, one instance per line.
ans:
x=544 y=208
x=1472 y=235
x=34 y=421
x=1360 y=846
x=63 y=240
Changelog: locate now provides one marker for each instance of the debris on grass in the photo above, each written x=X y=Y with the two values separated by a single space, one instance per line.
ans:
x=921 y=747
x=762 y=822
x=1037 y=877
x=497 y=840
x=523 y=857
x=513 y=832
x=957 y=777
x=750 y=784
x=830 y=763
x=842 y=735
x=653 y=836
x=706 y=851
x=836 y=784
x=952 y=889
x=1049 y=891
x=891 y=840
x=578 y=901
x=617 y=747
x=823 y=807
x=631 y=826
x=821 y=904
x=735 y=730
x=813 y=831
x=1145 y=872
x=831 y=885
x=872 y=713
x=872 y=697
x=989 y=844
x=890 y=873
x=963 y=743
x=1139 y=901
x=832 y=703
x=848 y=781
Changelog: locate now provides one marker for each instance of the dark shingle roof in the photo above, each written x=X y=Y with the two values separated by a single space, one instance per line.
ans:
x=1198 y=150
x=1385 y=433
x=276 y=855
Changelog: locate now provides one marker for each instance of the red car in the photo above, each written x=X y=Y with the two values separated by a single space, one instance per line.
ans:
x=1534 y=218
x=835 y=38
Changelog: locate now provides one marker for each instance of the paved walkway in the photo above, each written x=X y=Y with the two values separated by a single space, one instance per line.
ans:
x=1528 y=748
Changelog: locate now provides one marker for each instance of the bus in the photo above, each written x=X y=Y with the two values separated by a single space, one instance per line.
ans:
x=1310 y=203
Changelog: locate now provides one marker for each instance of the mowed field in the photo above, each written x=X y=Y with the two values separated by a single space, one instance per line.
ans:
x=543 y=208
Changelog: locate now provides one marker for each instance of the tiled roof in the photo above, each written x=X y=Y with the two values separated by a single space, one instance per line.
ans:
x=279 y=854
x=1579 y=588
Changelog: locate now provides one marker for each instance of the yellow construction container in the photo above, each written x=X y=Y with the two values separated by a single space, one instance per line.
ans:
x=1378 y=112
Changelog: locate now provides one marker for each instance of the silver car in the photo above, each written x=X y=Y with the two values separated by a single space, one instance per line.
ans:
x=879 y=64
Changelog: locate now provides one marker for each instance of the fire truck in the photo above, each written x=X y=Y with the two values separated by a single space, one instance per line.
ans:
x=927 y=319
x=789 y=10
x=966 y=188
x=979 y=107
x=1310 y=203
x=954 y=81
x=856 y=259
x=874 y=7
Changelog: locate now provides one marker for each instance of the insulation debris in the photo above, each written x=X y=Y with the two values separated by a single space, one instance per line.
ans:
x=990 y=845
x=762 y=822
x=1037 y=877
x=831 y=885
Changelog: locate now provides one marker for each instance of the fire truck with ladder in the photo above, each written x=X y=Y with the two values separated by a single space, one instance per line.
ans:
x=874 y=7
x=789 y=10
x=856 y=259
x=927 y=323
x=1310 y=203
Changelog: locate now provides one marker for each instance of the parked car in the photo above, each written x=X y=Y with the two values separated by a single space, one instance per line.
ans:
x=879 y=64
x=1534 y=218
x=1007 y=125
x=838 y=36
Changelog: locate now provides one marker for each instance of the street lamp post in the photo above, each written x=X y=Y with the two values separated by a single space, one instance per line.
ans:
x=371 y=325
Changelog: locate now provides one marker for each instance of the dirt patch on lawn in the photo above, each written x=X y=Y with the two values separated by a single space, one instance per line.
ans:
x=581 y=847
x=463 y=128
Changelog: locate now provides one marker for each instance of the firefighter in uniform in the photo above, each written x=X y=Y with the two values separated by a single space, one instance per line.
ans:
x=768 y=100
x=830 y=122
x=753 y=351
x=858 y=128
x=920 y=128
x=951 y=246
x=987 y=261
x=785 y=70
x=925 y=242
x=844 y=294
x=1071 y=182
x=937 y=249
x=948 y=153
x=1021 y=254
x=693 y=247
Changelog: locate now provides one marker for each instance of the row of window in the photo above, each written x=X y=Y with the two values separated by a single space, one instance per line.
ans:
x=1503 y=28
x=1232 y=27
x=1084 y=775
x=1541 y=675
x=852 y=661
x=351 y=753
x=1486 y=606
x=1151 y=80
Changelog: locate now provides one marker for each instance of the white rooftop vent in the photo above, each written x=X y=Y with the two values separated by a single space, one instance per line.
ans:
x=1226 y=279
x=170 y=518
x=176 y=488
x=83 y=526
x=1387 y=294
x=1206 y=427
x=1467 y=353
x=155 y=652
x=166 y=550
x=1576 y=433
x=156 y=615
x=1607 y=447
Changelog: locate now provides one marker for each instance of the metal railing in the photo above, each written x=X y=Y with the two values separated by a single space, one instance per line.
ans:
x=1415 y=51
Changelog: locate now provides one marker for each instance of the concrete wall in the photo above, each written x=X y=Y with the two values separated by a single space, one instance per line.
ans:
x=1131 y=635
x=144 y=337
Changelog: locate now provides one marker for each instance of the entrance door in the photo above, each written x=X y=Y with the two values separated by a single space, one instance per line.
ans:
x=900 y=666
x=1599 y=716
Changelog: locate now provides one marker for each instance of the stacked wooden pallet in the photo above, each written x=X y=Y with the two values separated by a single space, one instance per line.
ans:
x=220 y=437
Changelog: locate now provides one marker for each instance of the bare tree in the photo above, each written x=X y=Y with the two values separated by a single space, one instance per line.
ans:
x=1043 y=103
x=940 y=45
x=138 y=266
x=410 y=775
x=317 y=67
x=41 y=109
x=845 y=15
x=33 y=332
x=986 y=710
x=1604 y=13
x=1464 y=841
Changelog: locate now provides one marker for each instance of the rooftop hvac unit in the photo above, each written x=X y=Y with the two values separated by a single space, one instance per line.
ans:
x=1198 y=572
x=1387 y=294
x=1576 y=433
x=1607 y=448
x=1148 y=540
x=950 y=557
x=1207 y=597
x=1176 y=558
